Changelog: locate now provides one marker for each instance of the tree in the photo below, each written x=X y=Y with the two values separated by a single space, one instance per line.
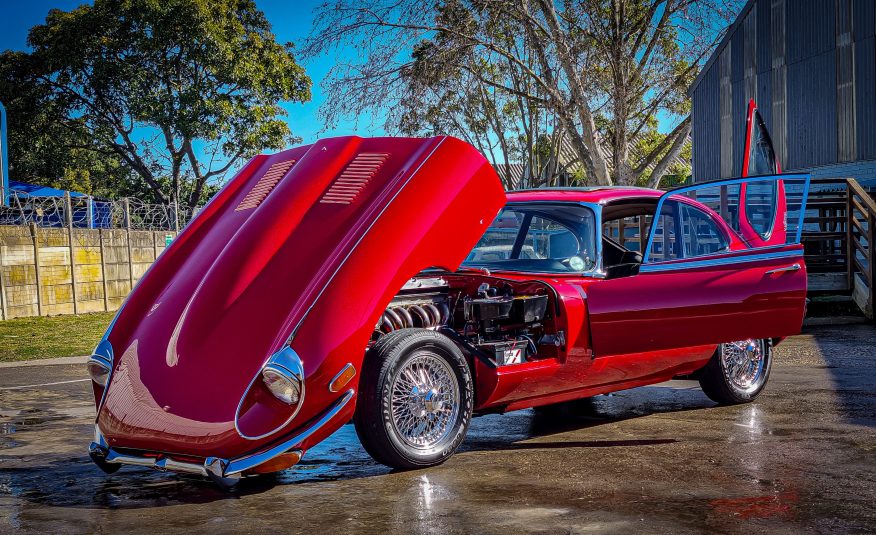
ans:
x=43 y=143
x=601 y=71
x=503 y=126
x=178 y=90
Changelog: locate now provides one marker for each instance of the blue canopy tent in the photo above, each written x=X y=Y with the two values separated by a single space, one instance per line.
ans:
x=35 y=190
x=86 y=212
x=23 y=204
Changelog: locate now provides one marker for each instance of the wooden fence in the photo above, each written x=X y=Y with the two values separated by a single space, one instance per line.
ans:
x=861 y=235
x=48 y=271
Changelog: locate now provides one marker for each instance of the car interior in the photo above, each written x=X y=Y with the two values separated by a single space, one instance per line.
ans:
x=625 y=218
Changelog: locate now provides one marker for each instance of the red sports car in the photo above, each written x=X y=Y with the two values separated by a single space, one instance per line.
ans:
x=372 y=280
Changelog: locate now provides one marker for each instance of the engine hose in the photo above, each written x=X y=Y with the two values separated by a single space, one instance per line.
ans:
x=445 y=313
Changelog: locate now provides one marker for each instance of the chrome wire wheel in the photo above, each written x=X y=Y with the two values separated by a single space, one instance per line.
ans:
x=744 y=364
x=425 y=400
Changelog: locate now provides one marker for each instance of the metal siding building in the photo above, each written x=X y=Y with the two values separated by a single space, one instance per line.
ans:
x=811 y=67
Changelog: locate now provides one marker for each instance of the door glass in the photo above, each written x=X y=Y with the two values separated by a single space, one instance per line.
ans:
x=761 y=157
x=760 y=206
x=665 y=246
x=722 y=200
x=762 y=211
x=701 y=235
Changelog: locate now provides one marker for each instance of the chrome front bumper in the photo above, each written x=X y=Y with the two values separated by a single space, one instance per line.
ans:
x=225 y=472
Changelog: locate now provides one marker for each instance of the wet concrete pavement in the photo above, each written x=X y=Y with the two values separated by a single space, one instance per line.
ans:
x=654 y=459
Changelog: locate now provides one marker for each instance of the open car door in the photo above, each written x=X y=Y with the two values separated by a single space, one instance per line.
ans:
x=723 y=263
x=760 y=199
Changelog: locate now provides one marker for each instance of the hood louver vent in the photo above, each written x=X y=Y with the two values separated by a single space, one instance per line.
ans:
x=354 y=178
x=264 y=186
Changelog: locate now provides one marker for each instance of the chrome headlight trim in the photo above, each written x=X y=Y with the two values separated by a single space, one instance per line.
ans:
x=286 y=362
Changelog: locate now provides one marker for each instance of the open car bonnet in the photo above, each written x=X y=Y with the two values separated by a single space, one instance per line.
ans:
x=237 y=282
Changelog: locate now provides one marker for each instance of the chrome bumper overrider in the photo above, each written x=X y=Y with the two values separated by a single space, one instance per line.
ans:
x=223 y=471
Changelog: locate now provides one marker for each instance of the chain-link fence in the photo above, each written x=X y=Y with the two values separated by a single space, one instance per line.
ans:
x=81 y=211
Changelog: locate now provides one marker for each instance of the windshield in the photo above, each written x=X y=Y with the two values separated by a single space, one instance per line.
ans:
x=538 y=238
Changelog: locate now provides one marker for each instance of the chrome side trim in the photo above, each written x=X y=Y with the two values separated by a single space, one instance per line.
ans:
x=286 y=361
x=720 y=261
x=247 y=462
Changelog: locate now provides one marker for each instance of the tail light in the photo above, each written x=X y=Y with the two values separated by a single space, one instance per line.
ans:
x=101 y=363
x=99 y=371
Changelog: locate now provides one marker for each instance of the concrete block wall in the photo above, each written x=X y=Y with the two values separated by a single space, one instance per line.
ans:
x=50 y=271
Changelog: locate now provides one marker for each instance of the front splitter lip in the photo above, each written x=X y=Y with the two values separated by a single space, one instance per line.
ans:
x=223 y=471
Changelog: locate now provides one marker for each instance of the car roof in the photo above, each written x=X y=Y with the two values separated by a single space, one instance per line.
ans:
x=596 y=194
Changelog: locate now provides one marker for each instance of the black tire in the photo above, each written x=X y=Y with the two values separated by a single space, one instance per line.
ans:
x=717 y=384
x=374 y=420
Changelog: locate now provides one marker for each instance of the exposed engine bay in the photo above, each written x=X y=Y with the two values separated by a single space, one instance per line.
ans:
x=501 y=322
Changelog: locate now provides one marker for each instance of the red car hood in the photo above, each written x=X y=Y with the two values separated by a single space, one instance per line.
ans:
x=229 y=290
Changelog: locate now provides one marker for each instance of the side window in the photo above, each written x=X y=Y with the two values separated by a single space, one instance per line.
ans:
x=548 y=239
x=684 y=231
x=761 y=157
x=760 y=206
x=666 y=246
x=701 y=235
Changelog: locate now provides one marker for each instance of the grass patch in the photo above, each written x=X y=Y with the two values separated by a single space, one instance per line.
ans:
x=49 y=337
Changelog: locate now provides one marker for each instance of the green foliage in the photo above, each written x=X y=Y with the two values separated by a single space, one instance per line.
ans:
x=46 y=146
x=139 y=82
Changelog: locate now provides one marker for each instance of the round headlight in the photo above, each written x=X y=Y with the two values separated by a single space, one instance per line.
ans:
x=284 y=386
x=98 y=371
x=577 y=263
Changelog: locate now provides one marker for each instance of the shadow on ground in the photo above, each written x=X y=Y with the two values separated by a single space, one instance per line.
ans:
x=75 y=482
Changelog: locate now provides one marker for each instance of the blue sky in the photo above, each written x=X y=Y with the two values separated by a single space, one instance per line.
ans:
x=291 y=22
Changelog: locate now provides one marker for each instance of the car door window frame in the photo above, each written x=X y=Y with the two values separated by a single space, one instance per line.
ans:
x=716 y=257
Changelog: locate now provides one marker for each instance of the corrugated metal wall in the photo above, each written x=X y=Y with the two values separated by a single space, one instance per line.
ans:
x=864 y=33
x=845 y=83
x=811 y=66
x=706 y=138
x=777 y=123
x=726 y=104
